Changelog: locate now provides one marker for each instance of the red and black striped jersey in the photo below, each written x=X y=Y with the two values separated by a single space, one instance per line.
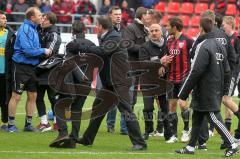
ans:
x=180 y=65
x=235 y=41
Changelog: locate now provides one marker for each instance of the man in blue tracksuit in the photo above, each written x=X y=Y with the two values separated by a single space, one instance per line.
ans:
x=27 y=52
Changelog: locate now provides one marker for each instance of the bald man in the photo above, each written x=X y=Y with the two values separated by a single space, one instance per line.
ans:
x=153 y=51
x=27 y=53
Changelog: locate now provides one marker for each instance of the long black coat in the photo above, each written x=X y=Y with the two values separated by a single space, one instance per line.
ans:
x=137 y=35
x=106 y=50
x=8 y=64
x=208 y=76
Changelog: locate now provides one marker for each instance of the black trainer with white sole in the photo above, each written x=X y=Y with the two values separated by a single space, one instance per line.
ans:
x=184 y=151
x=232 y=151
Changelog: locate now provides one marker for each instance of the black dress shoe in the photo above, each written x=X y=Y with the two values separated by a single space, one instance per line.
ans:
x=145 y=136
x=83 y=142
x=68 y=144
x=58 y=141
x=138 y=148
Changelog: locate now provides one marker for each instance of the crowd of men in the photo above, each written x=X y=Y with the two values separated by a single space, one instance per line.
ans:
x=165 y=63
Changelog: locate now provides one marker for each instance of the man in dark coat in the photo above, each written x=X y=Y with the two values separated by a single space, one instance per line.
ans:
x=153 y=51
x=7 y=37
x=64 y=140
x=208 y=78
x=109 y=35
x=222 y=37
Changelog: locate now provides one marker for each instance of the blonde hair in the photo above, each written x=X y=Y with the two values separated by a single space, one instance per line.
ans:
x=230 y=21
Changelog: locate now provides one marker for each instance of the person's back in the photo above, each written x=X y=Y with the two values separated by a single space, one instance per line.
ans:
x=72 y=47
x=222 y=37
x=211 y=80
x=210 y=74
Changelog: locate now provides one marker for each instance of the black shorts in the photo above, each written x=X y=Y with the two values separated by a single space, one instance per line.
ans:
x=234 y=82
x=173 y=94
x=24 y=78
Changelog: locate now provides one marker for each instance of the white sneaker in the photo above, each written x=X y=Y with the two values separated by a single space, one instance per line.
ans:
x=157 y=134
x=172 y=140
x=211 y=134
x=185 y=136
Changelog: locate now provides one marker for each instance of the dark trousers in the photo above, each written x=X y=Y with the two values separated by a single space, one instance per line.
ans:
x=162 y=115
x=111 y=120
x=3 y=102
x=130 y=118
x=76 y=106
x=204 y=134
x=41 y=107
x=213 y=117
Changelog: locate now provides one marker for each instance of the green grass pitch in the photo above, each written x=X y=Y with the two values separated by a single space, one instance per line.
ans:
x=115 y=146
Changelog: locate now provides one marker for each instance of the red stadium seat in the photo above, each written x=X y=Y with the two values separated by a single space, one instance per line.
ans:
x=193 y=32
x=185 y=19
x=212 y=7
x=195 y=21
x=165 y=19
x=173 y=7
x=231 y=1
x=231 y=9
x=200 y=7
x=187 y=8
x=161 y=7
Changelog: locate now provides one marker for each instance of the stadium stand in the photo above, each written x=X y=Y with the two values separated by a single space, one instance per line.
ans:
x=187 y=8
x=189 y=11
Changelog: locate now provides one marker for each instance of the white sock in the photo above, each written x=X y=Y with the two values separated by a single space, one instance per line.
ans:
x=234 y=145
x=190 y=148
x=44 y=119
x=54 y=119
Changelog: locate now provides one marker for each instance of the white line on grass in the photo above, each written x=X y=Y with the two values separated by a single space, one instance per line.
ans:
x=92 y=153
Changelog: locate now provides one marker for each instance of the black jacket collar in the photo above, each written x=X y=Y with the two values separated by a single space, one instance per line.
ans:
x=52 y=28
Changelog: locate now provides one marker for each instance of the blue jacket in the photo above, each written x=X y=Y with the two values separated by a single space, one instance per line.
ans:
x=27 y=49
